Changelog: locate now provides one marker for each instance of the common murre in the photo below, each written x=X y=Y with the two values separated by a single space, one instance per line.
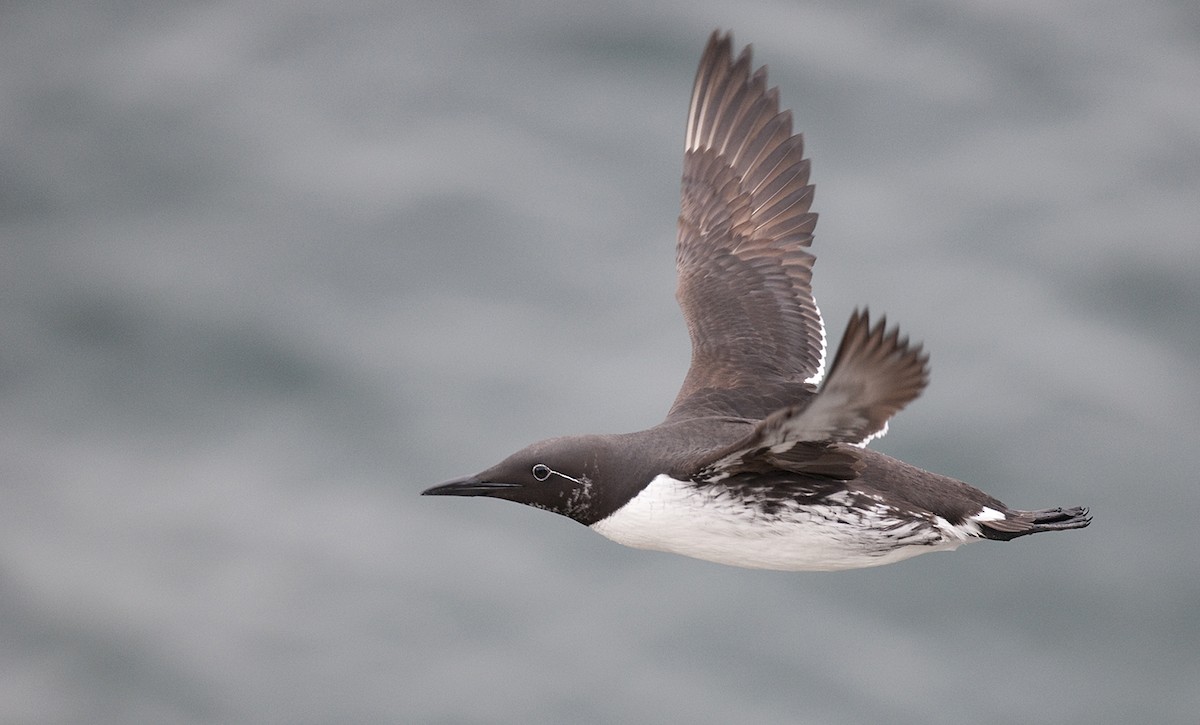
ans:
x=762 y=459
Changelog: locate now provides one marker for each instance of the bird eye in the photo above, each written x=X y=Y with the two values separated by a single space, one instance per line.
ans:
x=541 y=472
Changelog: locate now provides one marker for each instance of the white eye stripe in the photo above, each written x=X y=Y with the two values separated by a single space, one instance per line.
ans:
x=541 y=472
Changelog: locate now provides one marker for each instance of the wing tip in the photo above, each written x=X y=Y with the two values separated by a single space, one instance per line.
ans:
x=861 y=337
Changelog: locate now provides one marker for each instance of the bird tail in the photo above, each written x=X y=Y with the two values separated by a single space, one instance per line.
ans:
x=1021 y=523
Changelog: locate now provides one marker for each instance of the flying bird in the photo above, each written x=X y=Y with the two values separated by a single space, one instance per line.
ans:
x=762 y=459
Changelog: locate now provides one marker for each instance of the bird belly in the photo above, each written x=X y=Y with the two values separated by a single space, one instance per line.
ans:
x=717 y=524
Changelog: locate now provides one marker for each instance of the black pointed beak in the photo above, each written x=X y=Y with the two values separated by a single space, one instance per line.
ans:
x=471 y=487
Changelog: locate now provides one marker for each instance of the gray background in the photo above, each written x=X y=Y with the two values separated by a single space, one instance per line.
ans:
x=270 y=269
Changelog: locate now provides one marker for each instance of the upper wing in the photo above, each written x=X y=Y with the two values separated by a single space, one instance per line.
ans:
x=773 y=447
x=758 y=341
x=874 y=374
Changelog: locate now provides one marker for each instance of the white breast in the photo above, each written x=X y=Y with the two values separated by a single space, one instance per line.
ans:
x=711 y=523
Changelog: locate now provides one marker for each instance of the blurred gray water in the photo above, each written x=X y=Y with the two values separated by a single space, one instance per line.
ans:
x=269 y=269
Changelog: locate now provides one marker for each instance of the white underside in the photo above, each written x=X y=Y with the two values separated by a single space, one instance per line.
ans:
x=708 y=523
